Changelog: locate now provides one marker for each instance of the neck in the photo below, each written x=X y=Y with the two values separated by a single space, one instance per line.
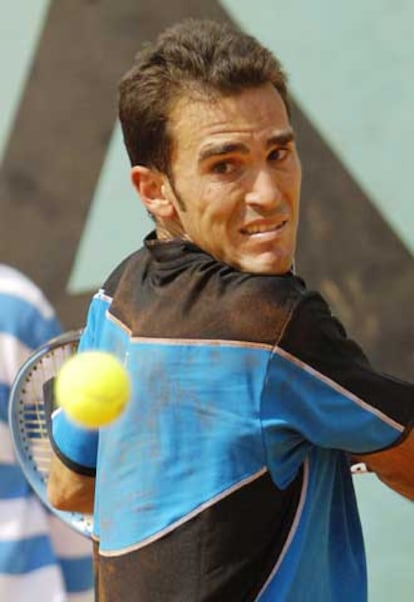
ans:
x=172 y=232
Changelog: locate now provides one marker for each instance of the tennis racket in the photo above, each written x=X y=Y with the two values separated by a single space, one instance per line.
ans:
x=30 y=409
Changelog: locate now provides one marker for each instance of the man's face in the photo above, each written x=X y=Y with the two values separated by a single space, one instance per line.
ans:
x=236 y=179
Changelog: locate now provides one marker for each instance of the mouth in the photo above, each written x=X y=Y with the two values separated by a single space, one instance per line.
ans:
x=254 y=229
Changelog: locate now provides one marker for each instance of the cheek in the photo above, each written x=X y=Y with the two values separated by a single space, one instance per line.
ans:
x=214 y=208
x=292 y=188
x=297 y=176
x=227 y=200
x=214 y=205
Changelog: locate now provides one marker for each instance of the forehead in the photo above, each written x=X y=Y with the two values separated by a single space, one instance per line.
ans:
x=254 y=115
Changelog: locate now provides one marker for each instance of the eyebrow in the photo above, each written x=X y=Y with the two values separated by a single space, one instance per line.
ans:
x=281 y=139
x=226 y=148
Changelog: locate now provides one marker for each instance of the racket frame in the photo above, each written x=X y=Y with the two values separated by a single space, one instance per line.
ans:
x=28 y=423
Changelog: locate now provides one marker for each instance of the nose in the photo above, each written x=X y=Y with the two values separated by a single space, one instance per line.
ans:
x=265 y=190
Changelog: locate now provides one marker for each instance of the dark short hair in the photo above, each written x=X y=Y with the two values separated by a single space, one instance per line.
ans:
x=195 y=55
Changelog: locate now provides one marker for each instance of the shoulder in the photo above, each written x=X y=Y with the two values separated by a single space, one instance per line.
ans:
x=125 y=268
x=285 y=289
x=313 y=324
x=262 y=305
x=118 y=285
x=315 y=334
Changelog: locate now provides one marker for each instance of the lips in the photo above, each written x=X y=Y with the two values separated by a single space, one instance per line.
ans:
x=263 y=228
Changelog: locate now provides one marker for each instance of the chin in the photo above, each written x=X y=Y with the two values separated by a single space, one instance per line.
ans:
x=268 y=264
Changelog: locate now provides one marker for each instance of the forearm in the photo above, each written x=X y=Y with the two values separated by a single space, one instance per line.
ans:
x=68 y=490
x=395 y=466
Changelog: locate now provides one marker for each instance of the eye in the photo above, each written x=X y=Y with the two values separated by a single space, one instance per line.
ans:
x=223 y=167
x=277 y=155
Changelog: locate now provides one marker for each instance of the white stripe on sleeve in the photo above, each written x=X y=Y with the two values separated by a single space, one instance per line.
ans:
x=22 y=517
x=7 y=455
x=13 y=354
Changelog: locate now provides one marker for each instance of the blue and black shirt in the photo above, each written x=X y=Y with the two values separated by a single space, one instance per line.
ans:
x=227 y=477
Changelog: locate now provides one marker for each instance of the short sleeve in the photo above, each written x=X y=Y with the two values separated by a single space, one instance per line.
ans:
x=75 y=446
x=318 y=339
x=322 y=391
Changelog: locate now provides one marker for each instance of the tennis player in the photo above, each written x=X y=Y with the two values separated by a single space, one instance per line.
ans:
x=227 y=477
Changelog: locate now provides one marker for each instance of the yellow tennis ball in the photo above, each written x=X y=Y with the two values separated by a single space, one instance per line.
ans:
x=93 y=388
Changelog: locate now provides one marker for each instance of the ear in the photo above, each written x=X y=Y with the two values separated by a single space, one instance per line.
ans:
x=149 y=185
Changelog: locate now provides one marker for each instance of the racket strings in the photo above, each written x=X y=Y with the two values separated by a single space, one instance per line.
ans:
x=32 y=419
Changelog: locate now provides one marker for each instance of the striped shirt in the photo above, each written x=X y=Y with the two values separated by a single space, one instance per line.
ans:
x=41 y=559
